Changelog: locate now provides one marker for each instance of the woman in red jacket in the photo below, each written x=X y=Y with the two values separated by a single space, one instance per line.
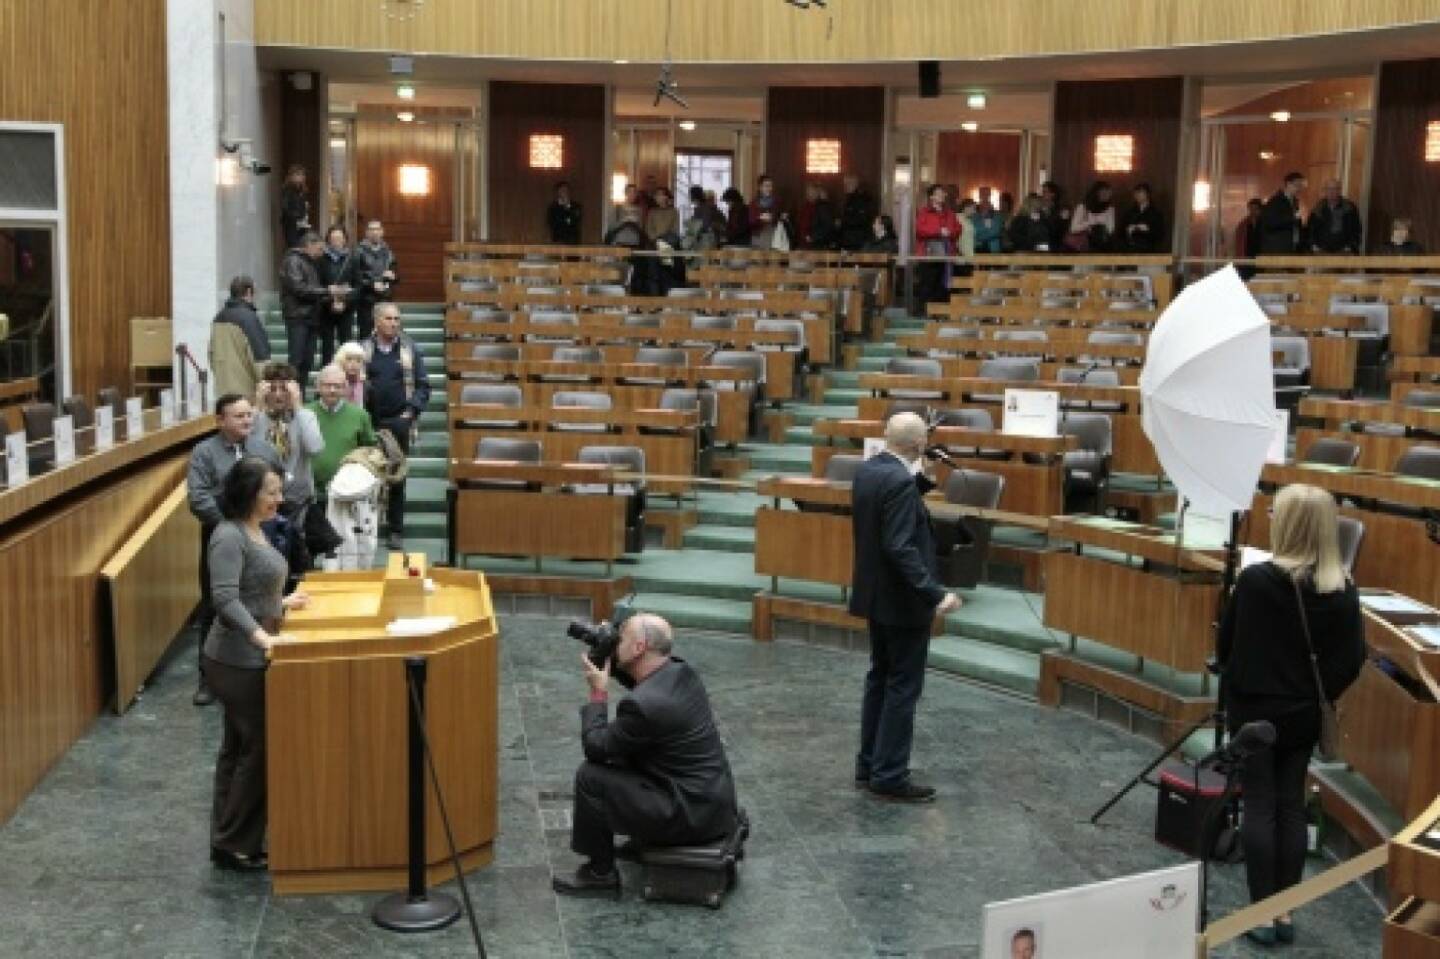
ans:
x=936 y=230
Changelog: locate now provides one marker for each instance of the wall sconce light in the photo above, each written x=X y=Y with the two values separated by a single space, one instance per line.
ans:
x=822 y=156
x=1281 y=116
x=687 y=125
x=969 y=126
x=405 y=91
x=1200 y=200
x=1432 y=142
x=414 y=180
x=618 y=183
x=405 y=116
x=1269 y=156
x=547 y=151
x=1114 y=153
x=976 y=101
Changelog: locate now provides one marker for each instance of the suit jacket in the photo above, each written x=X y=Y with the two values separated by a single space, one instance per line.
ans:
x=664 y=730
x=1280 y=226
x=897 y=581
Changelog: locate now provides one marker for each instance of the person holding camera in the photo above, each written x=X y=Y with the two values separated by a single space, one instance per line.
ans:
x=656 y=773
x=897 y=591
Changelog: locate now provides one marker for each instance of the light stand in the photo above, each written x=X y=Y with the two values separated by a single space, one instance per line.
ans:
x=1231 y=769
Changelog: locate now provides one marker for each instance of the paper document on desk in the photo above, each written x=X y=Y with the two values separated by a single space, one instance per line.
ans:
x=1031 y=413
x=1429 y=635
x=1391 y=603
x=1251 y=556
x=419 y=625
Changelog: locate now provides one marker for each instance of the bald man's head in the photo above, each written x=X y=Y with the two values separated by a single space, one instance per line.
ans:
x=905 y=435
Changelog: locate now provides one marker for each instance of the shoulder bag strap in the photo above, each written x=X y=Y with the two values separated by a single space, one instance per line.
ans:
x=1309 y=644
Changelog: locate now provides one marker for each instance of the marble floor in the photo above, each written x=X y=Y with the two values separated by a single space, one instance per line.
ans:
x=108 y=856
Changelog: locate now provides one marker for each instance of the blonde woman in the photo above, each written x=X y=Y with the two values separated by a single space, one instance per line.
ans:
x=1265 y=657
x=351 y=358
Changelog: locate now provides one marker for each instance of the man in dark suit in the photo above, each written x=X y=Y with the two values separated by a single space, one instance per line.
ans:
x=658 y=772
x=897 y=590
x=1280 y=226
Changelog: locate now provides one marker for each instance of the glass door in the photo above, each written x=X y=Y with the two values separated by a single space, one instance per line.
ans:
x=28 y=305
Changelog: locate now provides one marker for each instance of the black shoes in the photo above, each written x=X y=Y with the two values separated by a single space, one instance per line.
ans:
x=587 y=882
x=628 y=851
x=906 y=792
x=239 y=862
x=203 y=696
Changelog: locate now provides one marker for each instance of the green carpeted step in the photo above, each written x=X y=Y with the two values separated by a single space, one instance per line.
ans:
x=992 y=665
x=844 y=379
x=882 y=350
x=1007 y=618
x=768 y=458
x=431 y=467
x=803 y=436
x=426 y=494
x=874 y=364
x=733 y=539
x=716 y=574
x=697 y=612
x=844 y=397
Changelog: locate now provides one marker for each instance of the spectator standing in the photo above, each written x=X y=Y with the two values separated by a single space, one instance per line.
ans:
x=737 y=218
x=1029 y=230
x=1057 y=214
x=301 y=296
x=1401 y=242
x=766 y=215
x=338 y=271
x=1092 y=224
x=294 y=207
x=883 y=238
x=351 y=360
x=238 y=342
x=936 y=233
x=1334 y=225
x=1142 y=228
x=292 y=432
x=344 y=427
x=210 y=462
x=562 y=217
x=703 y=227
x=857 y=214
x=662 y=220
x=397 y=392
x=377 y=272
x=987 y=223
x=1280 y=226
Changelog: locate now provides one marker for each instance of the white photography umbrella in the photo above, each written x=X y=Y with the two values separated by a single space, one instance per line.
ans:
x=1208 y=394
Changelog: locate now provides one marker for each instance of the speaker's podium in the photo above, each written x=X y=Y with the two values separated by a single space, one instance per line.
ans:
x=337 y=704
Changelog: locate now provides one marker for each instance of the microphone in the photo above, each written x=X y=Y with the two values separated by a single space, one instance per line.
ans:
x=1249 y=738
x=941 y=454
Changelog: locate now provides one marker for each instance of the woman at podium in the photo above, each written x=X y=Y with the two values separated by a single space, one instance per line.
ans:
x=247 y=582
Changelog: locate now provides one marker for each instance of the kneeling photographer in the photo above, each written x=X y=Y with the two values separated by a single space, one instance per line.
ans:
x=656 y=773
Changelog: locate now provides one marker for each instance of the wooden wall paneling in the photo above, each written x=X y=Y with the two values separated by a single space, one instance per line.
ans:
x=99 y=69
x=764 y=31
x=655 y=156
x=53 y=680
x=301 y=124
x=1310 y=146
x=853 y=115
x=416 y=227
x=970 y=160
x=1402 y=184
x=1148 y=110
x=519 y=195
x=153 y=586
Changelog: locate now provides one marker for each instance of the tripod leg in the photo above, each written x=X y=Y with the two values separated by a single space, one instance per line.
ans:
x=1140 y=776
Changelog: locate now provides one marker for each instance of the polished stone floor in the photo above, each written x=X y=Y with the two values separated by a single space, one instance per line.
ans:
x=107 y=857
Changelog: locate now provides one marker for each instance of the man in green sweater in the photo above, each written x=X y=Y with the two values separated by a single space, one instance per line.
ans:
x=344 y=425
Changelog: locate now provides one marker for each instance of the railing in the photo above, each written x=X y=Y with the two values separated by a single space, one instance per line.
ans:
x=183 y=352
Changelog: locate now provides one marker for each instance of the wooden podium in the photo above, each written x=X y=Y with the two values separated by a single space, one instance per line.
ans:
x=337 y=713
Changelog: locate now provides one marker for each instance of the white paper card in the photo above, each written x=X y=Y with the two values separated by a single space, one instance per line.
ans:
x=64 y=440
x=1279 y=440
x=167 y=408
x=1148 y=916
x=1031 y=413
x=873 y=445
x=1252 y=556
x=134 y=419
x=17 y=462
x=419 y=625
x=104 y=428
x=1391 y=603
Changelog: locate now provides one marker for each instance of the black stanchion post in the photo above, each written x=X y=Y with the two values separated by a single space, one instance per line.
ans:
x=416 y=909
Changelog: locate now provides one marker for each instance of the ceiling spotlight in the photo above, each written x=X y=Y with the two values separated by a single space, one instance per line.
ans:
x=975 y=101
x=1280 y=116
x=1268 y=155
x=969 y=126
x=405 y=91
x=405 y=116
x=687 y=125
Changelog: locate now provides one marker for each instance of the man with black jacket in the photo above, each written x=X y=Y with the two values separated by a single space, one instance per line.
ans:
x=396 y=393
x=658 y=772
x=294 y=207
x=857 y=215
x=1280 y=227
x=1334 y=224
x=301 y=293
x=562 y=217
x=375 y=268
x=897 y=590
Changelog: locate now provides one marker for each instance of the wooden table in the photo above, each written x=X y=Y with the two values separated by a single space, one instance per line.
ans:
x=336 y=717
x=544 y=517
x=812 y=545
x=1412 y=877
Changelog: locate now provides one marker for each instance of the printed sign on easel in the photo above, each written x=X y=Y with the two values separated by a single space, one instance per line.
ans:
x=104 y=428
x=167 y=408
x=17 y=460
x=1031 y=413
x=134 y=419
x=64 y=440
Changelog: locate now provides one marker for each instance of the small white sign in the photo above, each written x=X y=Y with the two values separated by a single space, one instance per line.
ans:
x=17 y=462
x=167 y=408
x=104 y=428
x=873 y=445
x=1031 y=413
x=64 y=440
x=134 y=419
x=1279 y=439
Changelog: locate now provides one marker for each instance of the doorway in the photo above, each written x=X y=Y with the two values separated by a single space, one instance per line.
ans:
x=711 y=170
x=28 y=305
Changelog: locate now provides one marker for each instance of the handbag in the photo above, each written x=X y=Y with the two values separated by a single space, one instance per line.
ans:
x=1329 y=746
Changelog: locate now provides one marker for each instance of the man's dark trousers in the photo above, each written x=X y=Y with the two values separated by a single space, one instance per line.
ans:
x=887 y=713
x=610 y=800
x=205 y=613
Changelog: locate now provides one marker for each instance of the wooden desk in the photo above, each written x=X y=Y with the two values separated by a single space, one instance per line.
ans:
x=13 y=395
x=546 y=519
x=1036 y=315
x=1031 y=488
x=1412 y=929
x=336 y=715
x=1338 y=412
x=1409 y=373
x=1146 y=609
x=808 y=545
